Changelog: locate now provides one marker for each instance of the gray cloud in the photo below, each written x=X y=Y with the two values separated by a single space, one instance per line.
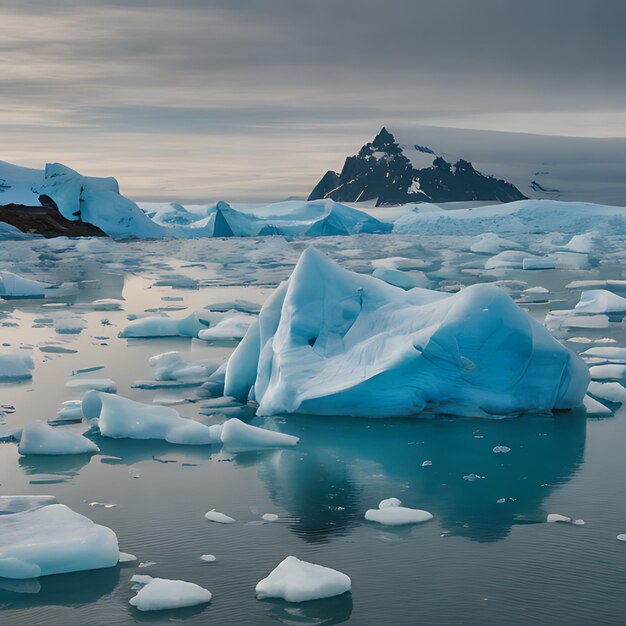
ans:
x=158 y=92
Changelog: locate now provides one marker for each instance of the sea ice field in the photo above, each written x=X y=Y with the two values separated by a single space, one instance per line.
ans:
x=498 y=496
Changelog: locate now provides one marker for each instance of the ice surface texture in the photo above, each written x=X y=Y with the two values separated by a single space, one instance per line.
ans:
x=332 y=342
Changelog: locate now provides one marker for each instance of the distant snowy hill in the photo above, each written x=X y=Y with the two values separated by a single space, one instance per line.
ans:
x=390 y=173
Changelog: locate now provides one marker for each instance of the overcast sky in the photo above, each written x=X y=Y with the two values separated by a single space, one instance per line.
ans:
x=202 y=99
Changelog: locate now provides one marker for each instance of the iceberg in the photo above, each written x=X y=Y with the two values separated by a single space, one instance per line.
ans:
x=157 y=326
x=97 y=201
x=332 y=342
x=123 y=418
x=39 y=438
x=294 y=580
x=160 y=594
x=15 y=366
x=39 y=537
x=240 y=437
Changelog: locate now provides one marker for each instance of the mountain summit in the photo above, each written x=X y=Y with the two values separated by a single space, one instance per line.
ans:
x=381 y=171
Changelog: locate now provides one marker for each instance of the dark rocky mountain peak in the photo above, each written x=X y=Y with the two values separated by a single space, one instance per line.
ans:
x=382 y=172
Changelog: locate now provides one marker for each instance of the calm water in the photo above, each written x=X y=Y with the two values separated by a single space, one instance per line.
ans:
x=488 y=557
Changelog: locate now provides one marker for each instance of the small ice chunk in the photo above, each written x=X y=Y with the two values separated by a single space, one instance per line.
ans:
x=269 y=517
x=157 y=326
x=501 y=449
x=556 y=517
x=87 y=384
x=208 y=558
x=147 y=563
x=126 y=557
x=401 y=279
x=621 y=537
x=294 y=580
x=239 y=437
x=39 y=438
x=390 y=513
x=220 y=518
x=160 y=594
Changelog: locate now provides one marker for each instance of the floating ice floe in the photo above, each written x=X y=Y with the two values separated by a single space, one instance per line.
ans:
x=208 y=558
x=220 y=518
x=233 y=325
x=15 y=366
x=332 y=342
x=240 y=437
x=244 y=306
x=294 y=580
x=39 y=438
x=96 y=384
x=595 y=408
x=14 y=286
x=39 y=537
x=158 y=594
x=613 y=371
x=390 y=512
x=613 y=392
x=554 y=518
x=600 y=301
x=158 y=326
x=120 y=417
x=612 y=354
x=172 y=366
x=69 y=413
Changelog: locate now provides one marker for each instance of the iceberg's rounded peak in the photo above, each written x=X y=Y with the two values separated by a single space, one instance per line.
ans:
x=334 y=342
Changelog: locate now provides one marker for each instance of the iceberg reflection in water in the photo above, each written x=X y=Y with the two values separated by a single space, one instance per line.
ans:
x=346 y=465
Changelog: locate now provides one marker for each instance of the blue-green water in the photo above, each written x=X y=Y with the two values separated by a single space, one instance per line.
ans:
x=487 y=557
